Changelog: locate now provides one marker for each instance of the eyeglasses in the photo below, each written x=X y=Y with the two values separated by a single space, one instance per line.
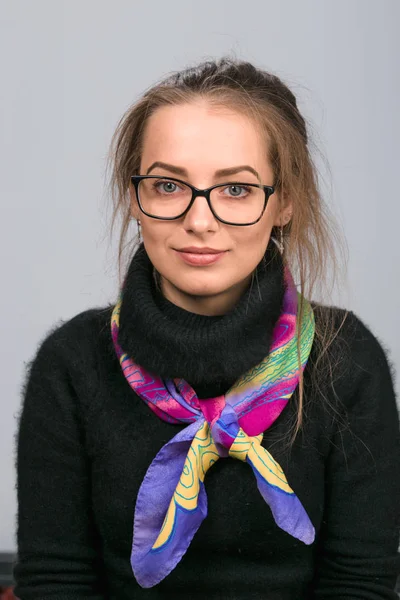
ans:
x=232 y=203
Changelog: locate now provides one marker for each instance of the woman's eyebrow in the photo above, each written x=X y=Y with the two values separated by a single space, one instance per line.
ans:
x=220 y=173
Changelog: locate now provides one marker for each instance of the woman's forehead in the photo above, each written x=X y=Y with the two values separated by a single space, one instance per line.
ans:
x=196 y=138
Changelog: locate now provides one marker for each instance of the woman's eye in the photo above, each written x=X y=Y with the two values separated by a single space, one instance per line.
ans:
x=166 y=186
x=235 y=190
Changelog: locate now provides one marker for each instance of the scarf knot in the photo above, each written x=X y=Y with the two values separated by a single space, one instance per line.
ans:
x=223 y=422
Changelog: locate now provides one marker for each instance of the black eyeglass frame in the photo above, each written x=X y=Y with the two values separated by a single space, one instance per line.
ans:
x=268 y=189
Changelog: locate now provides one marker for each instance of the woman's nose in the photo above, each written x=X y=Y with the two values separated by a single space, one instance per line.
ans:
x=199 y=217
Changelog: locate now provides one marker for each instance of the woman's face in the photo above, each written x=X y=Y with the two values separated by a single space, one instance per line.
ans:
x=196 y=141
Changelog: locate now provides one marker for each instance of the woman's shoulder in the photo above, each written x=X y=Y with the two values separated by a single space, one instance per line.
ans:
x=75 y=343
x=354 y=350
x=82 y=328
x=67 y=362
x=357 y=332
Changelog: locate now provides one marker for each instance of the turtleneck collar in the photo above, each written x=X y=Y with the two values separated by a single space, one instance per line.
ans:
x=210 y=353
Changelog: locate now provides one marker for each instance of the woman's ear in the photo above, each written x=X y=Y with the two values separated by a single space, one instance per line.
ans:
x=284 y=212
x=287 y=213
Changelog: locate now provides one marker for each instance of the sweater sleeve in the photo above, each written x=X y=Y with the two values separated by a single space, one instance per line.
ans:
x=58 y=555
x=359 y=540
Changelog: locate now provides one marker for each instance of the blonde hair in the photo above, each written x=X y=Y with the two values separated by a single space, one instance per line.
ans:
x=312 y=239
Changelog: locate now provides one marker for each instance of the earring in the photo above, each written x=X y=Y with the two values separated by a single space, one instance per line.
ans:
x=139 y=230
x=281 y=246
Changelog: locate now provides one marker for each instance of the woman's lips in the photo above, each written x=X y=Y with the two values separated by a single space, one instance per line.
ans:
x=200 y=259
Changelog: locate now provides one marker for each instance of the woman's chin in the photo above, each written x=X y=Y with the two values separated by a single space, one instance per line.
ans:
x=201 y=287
x=205 y=293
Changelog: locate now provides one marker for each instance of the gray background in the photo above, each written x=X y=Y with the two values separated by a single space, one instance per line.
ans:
x=68 y=72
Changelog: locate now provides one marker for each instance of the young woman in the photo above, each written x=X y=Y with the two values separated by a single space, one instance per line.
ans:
x=214 y=432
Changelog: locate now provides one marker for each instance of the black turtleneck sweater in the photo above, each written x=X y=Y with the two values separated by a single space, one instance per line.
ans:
x=209 y=352
x=86 y=439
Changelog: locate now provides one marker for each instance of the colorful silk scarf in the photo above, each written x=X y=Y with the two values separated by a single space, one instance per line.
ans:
x=172 y=501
